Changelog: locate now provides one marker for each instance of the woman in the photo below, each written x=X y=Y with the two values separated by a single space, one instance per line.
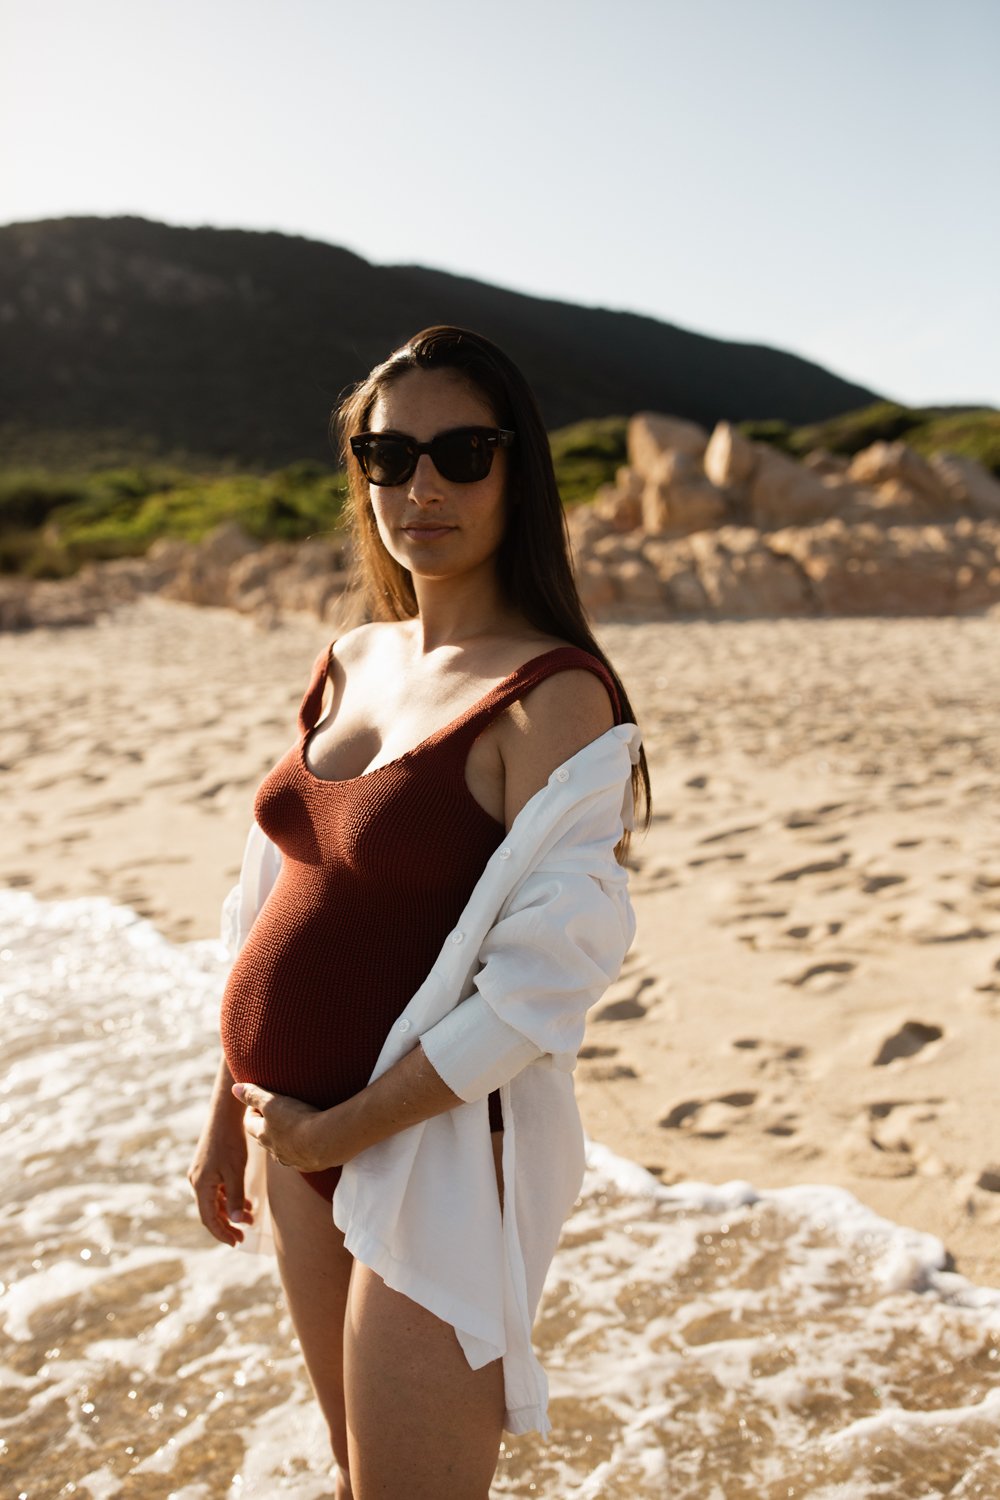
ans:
x=430 y=900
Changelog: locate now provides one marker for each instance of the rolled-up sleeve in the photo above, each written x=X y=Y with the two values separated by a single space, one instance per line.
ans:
x=548 y=958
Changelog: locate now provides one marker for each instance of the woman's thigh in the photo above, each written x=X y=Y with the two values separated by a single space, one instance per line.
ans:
x=421 y=1423
x=315 y=1273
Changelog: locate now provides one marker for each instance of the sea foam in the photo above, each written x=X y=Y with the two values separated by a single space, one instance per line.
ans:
x=703 y=1341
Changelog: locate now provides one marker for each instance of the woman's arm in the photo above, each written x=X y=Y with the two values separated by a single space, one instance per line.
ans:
x=311 y=1139
x=558 y=718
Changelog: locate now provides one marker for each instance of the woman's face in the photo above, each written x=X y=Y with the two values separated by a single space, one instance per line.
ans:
x=430 y=525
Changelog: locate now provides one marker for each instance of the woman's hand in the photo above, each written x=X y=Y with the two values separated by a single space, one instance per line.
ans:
x=295 y=1134
x=216 y=1174
x=312 y=1139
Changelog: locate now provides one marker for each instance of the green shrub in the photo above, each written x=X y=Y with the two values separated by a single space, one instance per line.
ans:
x=51 y=523
x=972 y=434
x=773 y=431
x=586 y=455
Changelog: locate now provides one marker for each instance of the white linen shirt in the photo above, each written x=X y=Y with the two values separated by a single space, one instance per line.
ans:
x=542 y=935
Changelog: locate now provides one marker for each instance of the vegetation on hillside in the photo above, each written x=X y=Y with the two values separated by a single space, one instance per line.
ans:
x=52 y=520
x=969 y=432
x=51 y=523
x=586 y=455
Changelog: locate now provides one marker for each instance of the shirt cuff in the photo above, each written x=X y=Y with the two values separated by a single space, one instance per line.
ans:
x=474 y=1051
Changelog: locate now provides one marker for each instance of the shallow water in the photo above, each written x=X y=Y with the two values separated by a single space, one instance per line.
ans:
x=702 y=1343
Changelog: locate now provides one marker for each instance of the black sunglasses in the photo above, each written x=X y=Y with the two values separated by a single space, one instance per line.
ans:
x=462 y=455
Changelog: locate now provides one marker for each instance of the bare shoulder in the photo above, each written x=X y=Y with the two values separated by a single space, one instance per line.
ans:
x=551 y=723
x=360 y=644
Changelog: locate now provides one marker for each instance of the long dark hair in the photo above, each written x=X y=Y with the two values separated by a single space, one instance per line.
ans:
x=534 y=561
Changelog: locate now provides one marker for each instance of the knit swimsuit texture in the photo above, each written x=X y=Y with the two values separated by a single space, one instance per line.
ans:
x=376 y=870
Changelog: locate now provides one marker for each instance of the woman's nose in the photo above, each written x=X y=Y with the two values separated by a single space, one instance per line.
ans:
x=425 y=486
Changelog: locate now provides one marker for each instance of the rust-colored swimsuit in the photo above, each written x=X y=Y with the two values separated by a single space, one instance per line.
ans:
x=375 y=871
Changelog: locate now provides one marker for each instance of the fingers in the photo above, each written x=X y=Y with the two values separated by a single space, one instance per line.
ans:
x=253 y=1097
x=233 y=1195
x=211 y=1201
x=213 y=1198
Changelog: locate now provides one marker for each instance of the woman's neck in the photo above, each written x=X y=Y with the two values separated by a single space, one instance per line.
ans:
x=451 y=611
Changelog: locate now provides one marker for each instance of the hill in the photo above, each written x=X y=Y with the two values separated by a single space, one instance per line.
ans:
x=125 y=339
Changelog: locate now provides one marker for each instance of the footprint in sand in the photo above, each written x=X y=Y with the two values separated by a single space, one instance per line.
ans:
x=873 y=883
x=991 y=986
x=911 y=1038
x=810 y=820
x=881 y=1142
x=775 y=1056
x=610 y=1072
x=817 y=867
x=711 y=1121
x=656 y=878
x=771 y=913
x=590 y=1051
x=629 y=1007
x=730 y=833
x=814 y=971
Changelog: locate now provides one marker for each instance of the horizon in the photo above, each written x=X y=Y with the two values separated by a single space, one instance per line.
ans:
x=771 y=177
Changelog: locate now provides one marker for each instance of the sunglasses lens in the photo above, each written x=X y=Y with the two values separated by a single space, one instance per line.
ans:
x=462 y=457
x=388 y=460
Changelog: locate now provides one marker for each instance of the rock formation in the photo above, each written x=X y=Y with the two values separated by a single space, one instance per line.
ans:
x=695 y=524
x=718 y=525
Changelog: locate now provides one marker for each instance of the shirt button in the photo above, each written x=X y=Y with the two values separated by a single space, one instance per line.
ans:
x=503 y=854
x=405 y=1025
x=562 y=774
x=458 y=937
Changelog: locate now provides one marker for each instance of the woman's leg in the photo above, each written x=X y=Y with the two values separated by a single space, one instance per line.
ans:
x=421 y=1424
x=315 y=1273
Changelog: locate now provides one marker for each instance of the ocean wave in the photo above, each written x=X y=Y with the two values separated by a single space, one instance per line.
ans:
x=703 y=1341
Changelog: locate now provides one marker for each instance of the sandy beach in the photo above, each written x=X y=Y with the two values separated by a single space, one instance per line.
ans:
x=814 y=991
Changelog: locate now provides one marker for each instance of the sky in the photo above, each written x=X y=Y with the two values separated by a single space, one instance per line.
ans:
x=822 y=176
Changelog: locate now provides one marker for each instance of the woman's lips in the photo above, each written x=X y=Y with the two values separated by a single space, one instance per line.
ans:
x=426 y=533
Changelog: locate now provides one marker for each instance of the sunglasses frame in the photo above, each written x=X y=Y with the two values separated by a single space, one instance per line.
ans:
x=495 y=437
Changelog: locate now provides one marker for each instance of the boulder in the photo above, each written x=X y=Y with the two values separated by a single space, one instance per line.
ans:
x=202 y=572
x=629 y=482
x=585 y=525
x=649 y=435
x=611 y=550
x=638 y=586
x=744 y=579
x=968 y=483
x=895 y=463
x=595 y=585
x=620 y=509
x=679 y=498
x=783 y=492
x=675 y=566
x=896 y=503
x=822 y=461
x=227 y=542
x=867 y=569
x=730 y=458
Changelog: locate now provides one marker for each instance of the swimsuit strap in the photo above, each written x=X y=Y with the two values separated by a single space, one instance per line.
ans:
x=527 y=676
x=313 y=700
x=469 y=725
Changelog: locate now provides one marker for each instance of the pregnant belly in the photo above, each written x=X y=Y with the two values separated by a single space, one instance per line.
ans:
x=284 y=1025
